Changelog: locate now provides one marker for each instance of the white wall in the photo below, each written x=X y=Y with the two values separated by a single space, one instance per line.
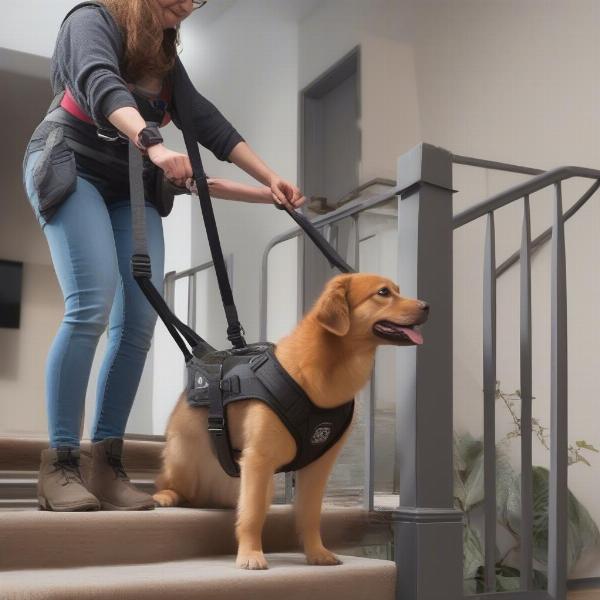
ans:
x=33 y=28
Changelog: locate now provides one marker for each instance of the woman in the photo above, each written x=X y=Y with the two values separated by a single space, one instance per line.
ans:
x=116 y=74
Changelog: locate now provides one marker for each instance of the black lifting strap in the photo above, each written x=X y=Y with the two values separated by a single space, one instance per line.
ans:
x=185 y=112
x=140 y=261
x=335 y=260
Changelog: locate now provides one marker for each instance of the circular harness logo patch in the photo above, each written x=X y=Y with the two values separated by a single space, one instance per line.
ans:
x=321 y=433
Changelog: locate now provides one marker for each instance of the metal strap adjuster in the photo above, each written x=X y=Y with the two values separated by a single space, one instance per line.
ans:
x=216 y=424
x=256 y=362
x=141 y=266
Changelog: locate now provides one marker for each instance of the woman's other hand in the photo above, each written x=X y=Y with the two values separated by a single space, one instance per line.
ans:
x=284 y=192
x=176 y=167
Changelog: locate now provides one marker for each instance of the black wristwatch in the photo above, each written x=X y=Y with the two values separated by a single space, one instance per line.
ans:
x=149 y=136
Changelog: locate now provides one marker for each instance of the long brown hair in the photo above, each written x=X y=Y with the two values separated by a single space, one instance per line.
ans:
x=149 y=50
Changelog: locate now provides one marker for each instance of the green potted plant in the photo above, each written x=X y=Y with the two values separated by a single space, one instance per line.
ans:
x=469 y=496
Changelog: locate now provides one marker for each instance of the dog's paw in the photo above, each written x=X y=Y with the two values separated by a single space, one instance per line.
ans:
x=253 y=561
x=322 y=556
x=166 y=498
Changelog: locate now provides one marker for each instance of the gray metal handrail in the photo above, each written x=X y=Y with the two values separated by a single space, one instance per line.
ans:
x=535 y=184
x=470 y=161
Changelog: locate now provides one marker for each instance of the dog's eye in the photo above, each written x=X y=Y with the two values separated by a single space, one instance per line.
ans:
x=383 y=292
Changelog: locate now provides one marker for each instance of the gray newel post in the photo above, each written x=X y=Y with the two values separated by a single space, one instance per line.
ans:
x=427 y=529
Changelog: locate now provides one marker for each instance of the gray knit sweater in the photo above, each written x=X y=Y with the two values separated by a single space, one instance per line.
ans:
x=88 y=52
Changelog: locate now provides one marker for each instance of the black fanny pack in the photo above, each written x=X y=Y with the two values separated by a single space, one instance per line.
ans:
x=94 y=159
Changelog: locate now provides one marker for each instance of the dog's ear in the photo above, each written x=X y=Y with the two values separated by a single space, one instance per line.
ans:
x=332 y=310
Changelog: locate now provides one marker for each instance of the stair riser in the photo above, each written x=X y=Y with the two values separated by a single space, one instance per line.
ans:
x=26 y=489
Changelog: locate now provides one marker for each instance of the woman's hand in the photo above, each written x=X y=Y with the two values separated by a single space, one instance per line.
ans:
x=284 y=192
x=176 y=167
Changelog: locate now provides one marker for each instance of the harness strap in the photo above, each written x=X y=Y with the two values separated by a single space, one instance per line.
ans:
x=185 y=111
x=217 y=427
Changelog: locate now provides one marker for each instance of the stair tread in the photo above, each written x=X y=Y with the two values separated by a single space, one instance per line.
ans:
x=214 y=578
x=34 y=538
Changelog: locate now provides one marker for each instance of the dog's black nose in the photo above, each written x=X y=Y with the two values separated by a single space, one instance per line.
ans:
x=424 y=307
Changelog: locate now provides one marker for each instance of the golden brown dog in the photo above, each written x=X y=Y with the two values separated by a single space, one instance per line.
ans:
x=330 y=355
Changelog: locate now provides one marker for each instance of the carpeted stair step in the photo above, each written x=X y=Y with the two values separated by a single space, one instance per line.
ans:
x=31 y=539
x=23 y=454
x=208 y=578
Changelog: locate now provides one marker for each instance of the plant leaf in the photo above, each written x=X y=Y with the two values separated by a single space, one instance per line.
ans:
x=473 y=552
x=584 y=444
x=582 y=532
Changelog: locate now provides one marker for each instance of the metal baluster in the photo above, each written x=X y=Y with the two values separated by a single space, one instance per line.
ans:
x=191 y=316
x=489 y=399
x=369 y=491
x=526 y=398
x=557 y=510
x=169 y=289
x=356 y=221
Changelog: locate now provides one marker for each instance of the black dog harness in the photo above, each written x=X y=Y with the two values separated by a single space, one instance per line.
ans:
x=218 y=378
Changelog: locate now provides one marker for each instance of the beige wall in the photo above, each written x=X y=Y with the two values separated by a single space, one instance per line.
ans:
x=518 y=82
x=390 y=122
x=23 y=351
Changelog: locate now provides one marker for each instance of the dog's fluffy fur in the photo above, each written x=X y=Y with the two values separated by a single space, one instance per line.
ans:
x=330 y=355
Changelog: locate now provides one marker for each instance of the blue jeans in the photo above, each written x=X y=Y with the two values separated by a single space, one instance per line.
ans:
x=90 y=244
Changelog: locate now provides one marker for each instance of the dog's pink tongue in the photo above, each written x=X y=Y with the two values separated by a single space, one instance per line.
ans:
x=414 y=335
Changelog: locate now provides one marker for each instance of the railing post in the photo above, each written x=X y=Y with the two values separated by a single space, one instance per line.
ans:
x=427 y=529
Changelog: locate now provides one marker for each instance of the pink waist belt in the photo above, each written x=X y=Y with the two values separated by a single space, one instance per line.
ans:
x=69 y=104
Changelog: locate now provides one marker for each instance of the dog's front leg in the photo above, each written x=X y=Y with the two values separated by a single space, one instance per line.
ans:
x=256 y=491
x=310 y=487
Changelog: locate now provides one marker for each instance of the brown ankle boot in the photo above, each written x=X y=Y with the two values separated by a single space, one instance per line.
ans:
x=60 y=486
x=109 y=482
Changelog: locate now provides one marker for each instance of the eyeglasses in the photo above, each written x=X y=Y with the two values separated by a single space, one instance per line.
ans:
x=198 y=4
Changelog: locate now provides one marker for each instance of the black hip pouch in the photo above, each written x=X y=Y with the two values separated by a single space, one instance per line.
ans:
x=55 y=174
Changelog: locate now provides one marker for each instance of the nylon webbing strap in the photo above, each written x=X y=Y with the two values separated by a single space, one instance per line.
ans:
x=140 y=261
x=217 y=427
x=234 y=328
x=335 y=260
x=138 y=208
x=185 y=111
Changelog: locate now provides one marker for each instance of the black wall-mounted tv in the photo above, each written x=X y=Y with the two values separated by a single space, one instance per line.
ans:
x=11 y=280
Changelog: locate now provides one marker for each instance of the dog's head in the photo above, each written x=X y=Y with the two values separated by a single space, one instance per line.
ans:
x=369 y=307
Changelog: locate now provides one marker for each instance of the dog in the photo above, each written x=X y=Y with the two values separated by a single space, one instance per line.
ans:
x=330 y=354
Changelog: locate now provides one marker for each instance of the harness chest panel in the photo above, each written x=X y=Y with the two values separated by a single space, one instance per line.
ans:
x=240 y=375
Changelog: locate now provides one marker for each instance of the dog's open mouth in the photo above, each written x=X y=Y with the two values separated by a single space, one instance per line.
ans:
x=398 y=333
